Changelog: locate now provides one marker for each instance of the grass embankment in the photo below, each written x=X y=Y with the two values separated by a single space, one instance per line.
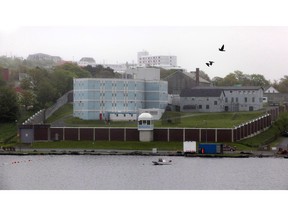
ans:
x=269 y=136
x=7 y=131
x=64 y=111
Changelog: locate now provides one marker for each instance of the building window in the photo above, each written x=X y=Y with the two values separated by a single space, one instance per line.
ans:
x=226 y=100
x=253 y=99
x=200 y=106
x=207 y=106
x=236 y=99
x=215 y=102
x=245 y=99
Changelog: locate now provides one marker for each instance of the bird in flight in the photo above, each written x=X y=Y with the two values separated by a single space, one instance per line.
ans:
x=209 y=63
x=222 y=48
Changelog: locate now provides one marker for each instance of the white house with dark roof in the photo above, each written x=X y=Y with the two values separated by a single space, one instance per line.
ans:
x=220 y=99
x=271 y=89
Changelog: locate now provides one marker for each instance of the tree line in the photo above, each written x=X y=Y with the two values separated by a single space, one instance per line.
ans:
x=41 y=87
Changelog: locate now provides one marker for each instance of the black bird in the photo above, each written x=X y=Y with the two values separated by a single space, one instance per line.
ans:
x=210 y=63
x=222 y=48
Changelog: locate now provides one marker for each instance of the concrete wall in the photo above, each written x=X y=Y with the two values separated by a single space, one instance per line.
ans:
x=243 y=131
x=44 y=132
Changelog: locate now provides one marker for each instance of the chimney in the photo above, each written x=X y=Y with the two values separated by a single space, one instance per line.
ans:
x=197 y=77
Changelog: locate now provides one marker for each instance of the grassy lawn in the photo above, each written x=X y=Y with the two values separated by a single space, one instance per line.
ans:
x=7 y=130
x=208 y=120
x=169 y=119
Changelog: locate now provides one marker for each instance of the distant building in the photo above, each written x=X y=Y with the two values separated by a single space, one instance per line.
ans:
x=40 y=57
x=119 y=99
x=5 y=74
x=181 y=80
x=144 y=73
x=163 y=61
x=119 y=68
x=85 y=61
x=220 y=99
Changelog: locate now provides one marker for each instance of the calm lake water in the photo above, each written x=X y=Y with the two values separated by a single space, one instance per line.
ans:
x=138 y=173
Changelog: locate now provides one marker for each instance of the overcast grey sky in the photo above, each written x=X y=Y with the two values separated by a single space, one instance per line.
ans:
x=251 y=49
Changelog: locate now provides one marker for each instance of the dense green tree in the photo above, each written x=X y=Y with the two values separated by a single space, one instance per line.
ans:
x=230 y=80
x=283 y=85
x=9 y=109
x=62 y=80
x=75 y=69
x=100 y=72
x=217 y=81
x=239 y=78
x=282 y=122
x=27 y=99
x=46 y=94
x=258 y=80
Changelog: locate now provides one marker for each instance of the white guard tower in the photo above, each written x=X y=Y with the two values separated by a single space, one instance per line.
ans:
x=145 y=127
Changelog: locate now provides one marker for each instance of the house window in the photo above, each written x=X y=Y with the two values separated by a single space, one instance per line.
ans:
x=253 y=99
x=207 y=106
x=232 y=100
x=236 y=99
x=200 y=106
x=245 y=99
x=215 y=102
x=226 y=100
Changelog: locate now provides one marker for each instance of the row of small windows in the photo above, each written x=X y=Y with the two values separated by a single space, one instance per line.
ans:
x=194 y=107
x=243 y=91
x=114 y=84
x=233 y=100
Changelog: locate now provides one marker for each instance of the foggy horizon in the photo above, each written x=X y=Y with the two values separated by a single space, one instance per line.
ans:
x=252 y=50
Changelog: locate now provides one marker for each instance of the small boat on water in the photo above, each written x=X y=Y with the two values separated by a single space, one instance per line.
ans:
x=162 y=162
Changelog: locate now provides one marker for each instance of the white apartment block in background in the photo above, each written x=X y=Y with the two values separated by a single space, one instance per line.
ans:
x=163 y=61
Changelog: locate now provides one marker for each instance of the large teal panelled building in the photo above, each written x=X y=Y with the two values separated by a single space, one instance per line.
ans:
x=97 y=99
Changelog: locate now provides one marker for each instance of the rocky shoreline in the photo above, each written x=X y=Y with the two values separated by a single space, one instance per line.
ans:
x=141 y=153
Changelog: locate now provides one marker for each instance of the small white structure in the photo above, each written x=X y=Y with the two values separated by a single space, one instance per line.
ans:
x=145 y=127
x=271 y=89
x=189 y=146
